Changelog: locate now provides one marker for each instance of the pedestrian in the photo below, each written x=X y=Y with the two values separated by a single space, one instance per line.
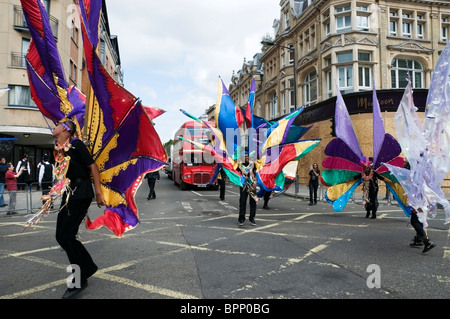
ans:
x=313 y=184
x=46 y=175
x=11 y=185
x=152 y=178
x=248 y=171
x=370 y=190
x=221 y=178
x=3 y=170
x=266 y=198
x=75 y=207
x=421 y=238
x=21 y=182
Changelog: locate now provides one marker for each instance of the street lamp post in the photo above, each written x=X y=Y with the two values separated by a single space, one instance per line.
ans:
x=270 y=43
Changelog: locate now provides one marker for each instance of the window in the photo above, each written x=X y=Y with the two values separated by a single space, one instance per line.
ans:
x=286 y=20
x=420 y=28
x=346 y=79
x=362 y=8
x=406 y=29
x=343 y=9
x=401 y=68
x=75 y=34
x=20 y=96
x=291 y=56
x=345 y=57
x=344 y=23
x=273 y=106
x=445 y=28
x=393 y=28
x=364 y=56
x=311 y=88
x=362 y=23
x=365 y=77
x=73 y=71
x=292 y=101
x=327 y=28
x=329 y=85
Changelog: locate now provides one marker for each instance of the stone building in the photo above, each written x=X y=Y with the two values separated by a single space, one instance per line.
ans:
x=20 y=120
x=320 y=45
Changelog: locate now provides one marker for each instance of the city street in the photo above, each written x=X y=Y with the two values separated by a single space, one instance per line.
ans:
x=189 y=246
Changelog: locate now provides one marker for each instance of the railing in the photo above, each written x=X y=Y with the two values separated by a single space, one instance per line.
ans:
x=302 y=190
x=28 y=199
x=18 y=60
x=21 y=24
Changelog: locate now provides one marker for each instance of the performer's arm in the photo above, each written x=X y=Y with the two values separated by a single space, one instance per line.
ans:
x=98 y=190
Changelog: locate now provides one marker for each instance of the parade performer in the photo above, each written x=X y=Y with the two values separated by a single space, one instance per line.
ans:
x=270 y=145
x=345 y=163
x=114 y=125
x=116 y=145
x=73 y=156
x=426 y=146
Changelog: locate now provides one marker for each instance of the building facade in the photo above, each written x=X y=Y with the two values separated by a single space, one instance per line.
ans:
x=20 y=120
x=320 y=46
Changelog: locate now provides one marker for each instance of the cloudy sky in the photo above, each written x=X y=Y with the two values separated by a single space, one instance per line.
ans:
x=173 y=52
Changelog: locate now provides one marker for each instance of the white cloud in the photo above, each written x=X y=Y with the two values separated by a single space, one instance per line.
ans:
x=173 y=52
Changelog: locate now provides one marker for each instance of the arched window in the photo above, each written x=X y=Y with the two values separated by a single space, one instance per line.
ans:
x=311 y=88
x=401 y=68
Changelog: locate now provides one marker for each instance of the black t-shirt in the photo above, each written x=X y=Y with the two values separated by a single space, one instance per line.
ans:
x=79 y=172
x=313 y=177
x=3 y=169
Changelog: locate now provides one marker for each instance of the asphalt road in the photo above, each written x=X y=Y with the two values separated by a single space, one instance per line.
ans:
x=189 y=246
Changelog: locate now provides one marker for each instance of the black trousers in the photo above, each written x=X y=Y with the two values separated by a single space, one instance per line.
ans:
x=418 y=226
x=267 y=198
x=151 y=184
x=67 y=224
x=243 y=205
x=221 y=183
x=313 y=192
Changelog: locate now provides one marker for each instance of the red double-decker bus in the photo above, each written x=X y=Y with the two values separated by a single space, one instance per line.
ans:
x=190 y=165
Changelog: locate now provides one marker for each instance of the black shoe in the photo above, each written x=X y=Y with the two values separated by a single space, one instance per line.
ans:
x=430 y=245
x=4 y=205
x=266 y=207
x=241 y=222
x=252 y=221
x=73 y=292
x=315 y=203
x=417 y=242
x=373 y=216
x=310 y=204
x=368 y=215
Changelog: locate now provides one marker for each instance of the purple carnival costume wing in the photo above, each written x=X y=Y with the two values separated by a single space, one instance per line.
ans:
x=121 y=136
x=345 y=162
x=49 y=88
